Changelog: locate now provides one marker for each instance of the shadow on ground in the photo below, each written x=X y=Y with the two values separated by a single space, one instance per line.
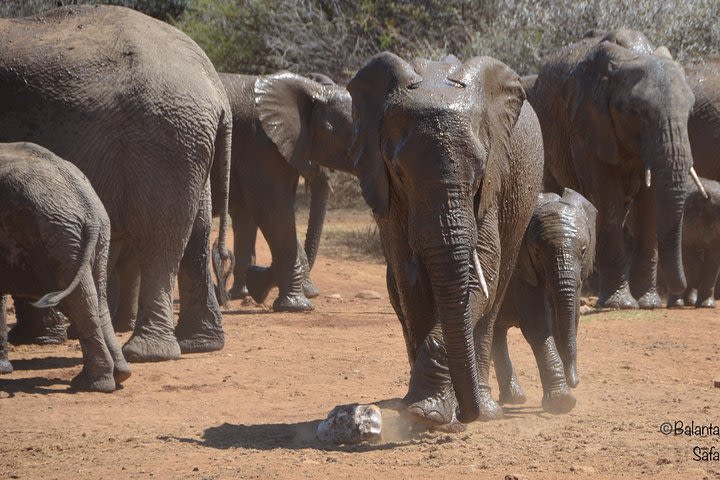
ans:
x=39 y=385
x=301 y=435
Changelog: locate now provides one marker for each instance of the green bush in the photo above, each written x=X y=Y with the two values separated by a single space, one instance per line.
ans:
x=162 y=9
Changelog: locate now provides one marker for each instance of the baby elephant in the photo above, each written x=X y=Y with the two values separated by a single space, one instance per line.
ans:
x=54 y=237
x=701 y=245
x=543 y=298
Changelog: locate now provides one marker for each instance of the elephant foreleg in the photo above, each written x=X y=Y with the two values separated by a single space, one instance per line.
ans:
x=199 y=327
x=557 y=397
x=244 y=238
x=276 y=219
x=612 y=255
x=708 y=279
x=643 y=272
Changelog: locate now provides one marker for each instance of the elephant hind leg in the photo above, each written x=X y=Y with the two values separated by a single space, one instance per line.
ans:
x=199 y=327
x=153 y=339
x=98 y=365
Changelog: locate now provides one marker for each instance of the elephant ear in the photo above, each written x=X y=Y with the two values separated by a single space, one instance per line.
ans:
x=589 y=211
x=500 y=94
x=284 y=103
x=525 y=266
x=369 y=89
x=587 y=92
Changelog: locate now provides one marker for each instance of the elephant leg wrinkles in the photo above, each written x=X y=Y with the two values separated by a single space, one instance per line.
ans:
x=643 y=273
x=286 y=269
x=35 y=326
x=611 y=252
x=199 y=327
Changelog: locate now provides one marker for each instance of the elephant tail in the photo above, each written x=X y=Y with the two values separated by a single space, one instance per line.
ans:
x=222 y=258
x=91 y=234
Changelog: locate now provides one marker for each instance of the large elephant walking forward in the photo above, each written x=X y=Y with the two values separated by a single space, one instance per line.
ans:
x=449 y=157
x=614 y=113
x=139 y=108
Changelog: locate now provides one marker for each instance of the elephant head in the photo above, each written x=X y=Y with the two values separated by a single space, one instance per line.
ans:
x=560 y=246
x=627 y=103
x=430 y=143
x=309 y=122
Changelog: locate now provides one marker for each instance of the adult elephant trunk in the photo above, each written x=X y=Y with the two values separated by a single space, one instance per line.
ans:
x=446 y=248
x=564 y=285
x=319 y=194
x=669 y=174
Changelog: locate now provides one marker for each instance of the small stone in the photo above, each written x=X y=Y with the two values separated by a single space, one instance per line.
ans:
x=585 y=309
x=717 y=383
x=335 y=296
x=196 y=469
x=369 y=295
x=515 y=476
x=582 y=469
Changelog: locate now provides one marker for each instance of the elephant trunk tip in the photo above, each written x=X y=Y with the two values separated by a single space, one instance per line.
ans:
x=571 y=376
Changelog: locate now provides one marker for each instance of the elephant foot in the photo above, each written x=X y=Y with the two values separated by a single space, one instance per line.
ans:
x=87 y=381
x=201 y=342
x=650 y=301
x=55 y=335
x=292 y=303
x=259 y=282
x=309 y=288
x=5 y=367
x=558 y=401
x=708 y=302
x=619 y=300
x=430 y=400
x=238 y=292
x=151 y=348
x=675 y=301
x=512 y=394
x=691 y=296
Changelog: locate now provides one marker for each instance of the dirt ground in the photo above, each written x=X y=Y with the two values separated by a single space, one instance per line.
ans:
x=250 y=410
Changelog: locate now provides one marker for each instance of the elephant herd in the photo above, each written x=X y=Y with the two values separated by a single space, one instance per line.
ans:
x=495 y=196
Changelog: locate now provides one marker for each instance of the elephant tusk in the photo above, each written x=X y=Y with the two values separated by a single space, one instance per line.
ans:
x=699 y=184
x=480 y=274
x=648 y=177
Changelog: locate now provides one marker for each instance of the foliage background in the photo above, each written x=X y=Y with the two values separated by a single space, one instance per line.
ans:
x=336 y=37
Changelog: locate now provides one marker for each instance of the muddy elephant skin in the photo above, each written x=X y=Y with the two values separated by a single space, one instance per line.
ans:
x=449 y=157
x=137 y=106
x=614 y=111
x=54 y=241
x=543 y=299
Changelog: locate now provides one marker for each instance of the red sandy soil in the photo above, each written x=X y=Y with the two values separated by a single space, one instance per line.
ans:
x=250 y=410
